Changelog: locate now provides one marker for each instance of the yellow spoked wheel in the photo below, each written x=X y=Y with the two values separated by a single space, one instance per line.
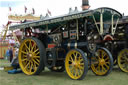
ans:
x=122 y=60
x=76 y=64
x=102 y=63
x=31 y=53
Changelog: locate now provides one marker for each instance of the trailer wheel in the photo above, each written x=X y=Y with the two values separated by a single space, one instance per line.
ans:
x=76 y=64
x=122 y=60
x=102 y=63
x=31 y=53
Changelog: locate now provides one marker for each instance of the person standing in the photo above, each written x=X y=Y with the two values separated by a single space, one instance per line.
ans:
x=11 y=54
x=7 y=54
x=15 y=63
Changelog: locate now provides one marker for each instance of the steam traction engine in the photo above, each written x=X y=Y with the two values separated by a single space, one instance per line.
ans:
x=112 y=28
x=117 y=42
x=70 y=42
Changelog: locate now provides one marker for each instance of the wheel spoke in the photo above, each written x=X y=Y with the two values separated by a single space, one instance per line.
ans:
x=103 y=55
x=31 y=65
x=80 y=60
x=33 y=46
x=106 y=58
x=81 y=67
x=103 y=68
x=98 y=68
x=24 y=60
x=72 y=70
x=82 y=64
x=34 y=66
x=107 y=63
x=76 y=72
x=98 y=55
x=106 y=66
x=24 y=56
x=70 y=65
x=81 y=71
x=37 y=53
x=36 y=56
x=26 y=65
x=26 y=46
x=24 y=52
x=71 y=59
x=30 y=46
x=36 y=50
x=125 y=57
x=75 y=57
x=35 y=62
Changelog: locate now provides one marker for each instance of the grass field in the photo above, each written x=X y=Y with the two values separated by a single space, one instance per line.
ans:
x=53 y=78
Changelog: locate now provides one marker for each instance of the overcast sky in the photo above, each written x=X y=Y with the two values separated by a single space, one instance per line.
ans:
x=57 y=7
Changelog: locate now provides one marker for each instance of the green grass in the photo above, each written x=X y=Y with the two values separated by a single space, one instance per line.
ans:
x=116 y=77
x=4 y=62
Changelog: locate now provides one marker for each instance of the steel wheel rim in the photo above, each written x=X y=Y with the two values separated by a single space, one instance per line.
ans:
x=29 y=56
x=123 y=60
x=74 y=64
x=101 y=63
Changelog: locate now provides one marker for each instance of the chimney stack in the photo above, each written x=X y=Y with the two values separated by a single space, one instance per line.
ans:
x=85 y=5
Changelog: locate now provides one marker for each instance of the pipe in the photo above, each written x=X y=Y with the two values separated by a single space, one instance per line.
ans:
x=85 y=5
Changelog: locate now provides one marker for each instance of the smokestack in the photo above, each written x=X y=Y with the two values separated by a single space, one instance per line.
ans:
x=85 y=5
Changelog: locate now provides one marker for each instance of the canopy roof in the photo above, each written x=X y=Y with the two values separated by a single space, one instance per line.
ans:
x=52 y=22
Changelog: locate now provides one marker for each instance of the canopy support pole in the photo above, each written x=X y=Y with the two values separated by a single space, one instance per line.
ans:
x=112 y=25
x=96 y=24
x=101 y=23
x=113 y=29
x=47 y=29
x=77 y=28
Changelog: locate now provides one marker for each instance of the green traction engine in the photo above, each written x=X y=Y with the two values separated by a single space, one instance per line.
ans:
x=73 y=43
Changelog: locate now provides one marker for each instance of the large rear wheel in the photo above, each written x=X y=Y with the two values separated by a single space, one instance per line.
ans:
x=31 y=53
x=102 y=63
x=122 y=60
x=76 y=64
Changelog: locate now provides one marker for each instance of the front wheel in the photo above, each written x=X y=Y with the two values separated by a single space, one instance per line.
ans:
x=31 y=54
x=102 y=62
x=76 y=64
x=122 y=60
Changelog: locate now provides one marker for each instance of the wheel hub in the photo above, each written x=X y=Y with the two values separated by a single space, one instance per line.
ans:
x=29 y=56
x=74 y=64
x=102 y=61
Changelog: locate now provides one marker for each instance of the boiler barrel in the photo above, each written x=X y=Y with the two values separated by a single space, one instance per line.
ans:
x=72 y=44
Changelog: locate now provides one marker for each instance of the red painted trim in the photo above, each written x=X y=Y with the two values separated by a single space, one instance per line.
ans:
x=51 y=45
x=108 y=38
